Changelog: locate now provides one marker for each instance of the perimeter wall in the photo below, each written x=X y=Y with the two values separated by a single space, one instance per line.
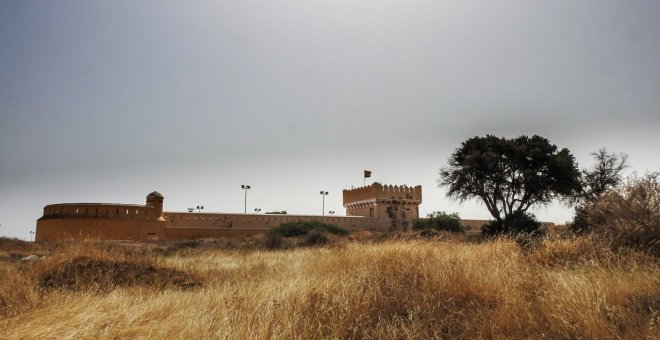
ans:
x=136 y=222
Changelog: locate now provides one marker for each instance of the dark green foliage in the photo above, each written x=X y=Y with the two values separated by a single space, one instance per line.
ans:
x=273 y=240
x=189 y=244
x=518 y=223
x=315 y=238
x=510 y=175
x=580 y=223
x=584 y=221
x=283 y=212
x=440 y=220
x=291 y=229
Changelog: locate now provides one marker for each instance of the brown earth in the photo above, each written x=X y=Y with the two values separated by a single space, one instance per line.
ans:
x=83 y=272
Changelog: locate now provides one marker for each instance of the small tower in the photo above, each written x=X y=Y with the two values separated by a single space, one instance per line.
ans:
x=155 y=200
x=398 y=204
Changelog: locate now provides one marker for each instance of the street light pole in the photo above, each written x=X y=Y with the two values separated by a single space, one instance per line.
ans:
x=245 y=187
x=323 y=194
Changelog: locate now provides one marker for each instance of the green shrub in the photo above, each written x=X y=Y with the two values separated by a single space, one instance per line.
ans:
x=518 y=223
x=273 y=240
x=188 y=244
x=315 y=238
x=440 y=220
x=291 y=229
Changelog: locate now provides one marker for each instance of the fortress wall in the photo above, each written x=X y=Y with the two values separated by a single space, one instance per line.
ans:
x=188 y=233
x=98 y=229
x=264 y=221
x=63 y=223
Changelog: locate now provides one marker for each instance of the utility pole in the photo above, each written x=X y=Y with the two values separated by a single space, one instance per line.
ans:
x=323 y=194
x=246 y=188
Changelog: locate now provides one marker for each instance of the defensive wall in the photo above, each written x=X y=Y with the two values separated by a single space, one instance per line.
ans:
x=149 y=222
x=374 y=208
x=135 y=225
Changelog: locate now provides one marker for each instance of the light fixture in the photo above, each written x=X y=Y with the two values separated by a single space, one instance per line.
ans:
x=323 y=194
x=245 y=187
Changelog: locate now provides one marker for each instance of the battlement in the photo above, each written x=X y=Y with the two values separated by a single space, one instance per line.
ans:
x=99 y=210
x=379 y=191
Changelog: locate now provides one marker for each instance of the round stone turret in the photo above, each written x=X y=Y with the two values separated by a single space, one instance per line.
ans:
x=155 y=200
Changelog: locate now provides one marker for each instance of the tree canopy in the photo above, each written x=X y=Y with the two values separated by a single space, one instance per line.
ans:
x=604 y=175
x=510 y=175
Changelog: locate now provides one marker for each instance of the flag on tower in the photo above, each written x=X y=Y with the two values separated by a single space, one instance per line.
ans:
x=367 y=173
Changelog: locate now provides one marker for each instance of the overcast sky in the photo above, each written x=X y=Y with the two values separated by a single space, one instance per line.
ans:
x=108 y=101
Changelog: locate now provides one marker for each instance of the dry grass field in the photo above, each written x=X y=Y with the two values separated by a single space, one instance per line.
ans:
x=445 y=287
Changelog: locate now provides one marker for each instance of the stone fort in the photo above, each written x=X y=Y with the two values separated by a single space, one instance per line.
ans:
x=375 y=207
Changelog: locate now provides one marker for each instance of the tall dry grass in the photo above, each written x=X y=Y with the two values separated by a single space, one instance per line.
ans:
x=564 y=288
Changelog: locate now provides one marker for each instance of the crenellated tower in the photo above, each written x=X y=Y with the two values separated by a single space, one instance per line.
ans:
x=398 y=204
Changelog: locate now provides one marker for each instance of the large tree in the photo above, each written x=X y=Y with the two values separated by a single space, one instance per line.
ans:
x=510 y=175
